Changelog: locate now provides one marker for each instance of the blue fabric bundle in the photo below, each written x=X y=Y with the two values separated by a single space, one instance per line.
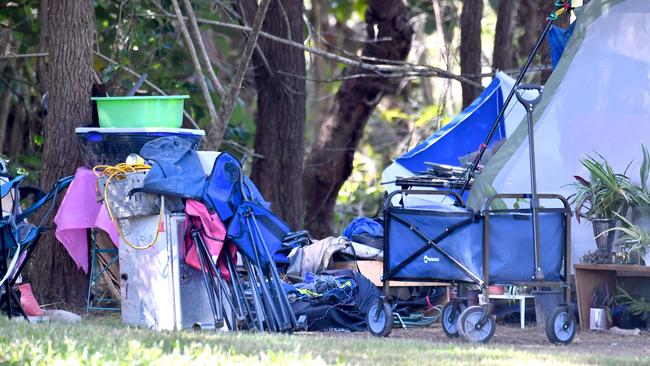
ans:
x=176 y=170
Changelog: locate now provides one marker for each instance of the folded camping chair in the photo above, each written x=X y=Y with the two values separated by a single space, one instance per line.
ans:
x=227 y=189
x=18 y=237
x=259 y=236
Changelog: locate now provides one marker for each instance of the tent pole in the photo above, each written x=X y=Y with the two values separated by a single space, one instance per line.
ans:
x=495 y=125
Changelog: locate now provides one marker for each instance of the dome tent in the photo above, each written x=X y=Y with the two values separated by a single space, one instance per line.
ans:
x=596 y=101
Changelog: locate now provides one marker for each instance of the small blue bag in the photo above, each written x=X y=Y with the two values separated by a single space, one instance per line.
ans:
x=364 y=226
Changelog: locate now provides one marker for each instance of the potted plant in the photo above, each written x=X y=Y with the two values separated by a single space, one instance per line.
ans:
x=635 y=232
x=634 y=240
x=603 y=198
x=641 y=210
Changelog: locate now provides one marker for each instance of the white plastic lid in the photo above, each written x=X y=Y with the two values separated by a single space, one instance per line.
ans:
x=108 y=130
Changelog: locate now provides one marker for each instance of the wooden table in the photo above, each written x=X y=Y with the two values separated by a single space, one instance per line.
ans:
x=590 y=276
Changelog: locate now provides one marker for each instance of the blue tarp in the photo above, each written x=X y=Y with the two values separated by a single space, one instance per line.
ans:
x=364 y=226
x=462 y=136
x=557 y=41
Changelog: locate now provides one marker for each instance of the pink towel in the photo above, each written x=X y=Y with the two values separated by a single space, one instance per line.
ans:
x=78 y=212
x=213 y=233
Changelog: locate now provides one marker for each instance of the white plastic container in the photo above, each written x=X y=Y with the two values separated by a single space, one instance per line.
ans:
x=598 y=319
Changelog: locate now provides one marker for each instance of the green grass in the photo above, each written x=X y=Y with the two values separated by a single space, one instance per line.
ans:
x=105 y=341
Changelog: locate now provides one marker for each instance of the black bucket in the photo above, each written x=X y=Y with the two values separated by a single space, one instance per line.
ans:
x=545 y=303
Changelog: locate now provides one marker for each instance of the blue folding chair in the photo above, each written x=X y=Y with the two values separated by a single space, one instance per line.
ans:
x=18 y=237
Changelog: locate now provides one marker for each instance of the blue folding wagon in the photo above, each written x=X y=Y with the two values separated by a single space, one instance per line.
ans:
x=437 y=242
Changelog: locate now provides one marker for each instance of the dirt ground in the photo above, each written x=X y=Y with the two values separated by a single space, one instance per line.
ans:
x=533 y=338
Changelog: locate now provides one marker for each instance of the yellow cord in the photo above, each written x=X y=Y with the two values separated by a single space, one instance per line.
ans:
x=119 y=172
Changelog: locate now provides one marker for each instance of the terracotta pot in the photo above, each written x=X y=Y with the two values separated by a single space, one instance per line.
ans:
x=496 y=290
x=606 y=241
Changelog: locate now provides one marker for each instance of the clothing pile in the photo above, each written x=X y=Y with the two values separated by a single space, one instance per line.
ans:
x=334 y=301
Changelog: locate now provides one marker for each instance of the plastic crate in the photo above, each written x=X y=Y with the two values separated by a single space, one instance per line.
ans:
x=111 y=146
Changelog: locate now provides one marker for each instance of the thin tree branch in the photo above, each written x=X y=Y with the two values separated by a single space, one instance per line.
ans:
x=25 y=55
x=423 y=70
x=197 y=66
x=286 y=20
x=242 y=5
x=204 y=54
x=215 y=135
x=356 y=76
x=243 y=149
x=152 y=85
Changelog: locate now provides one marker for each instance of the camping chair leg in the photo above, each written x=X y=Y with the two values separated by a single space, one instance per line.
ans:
x=272 y=305
x=267 y=299
x=219 y=287
x=281 y=316
x=206 y=281
x=9 y=295
x=242 y=304
x=218 y=283
x=284 y=302
x=257 y=301
x=8 y=299
x=16 y=300
x=271 y=316
x=214 y=285
x=238 y=285
x=260 y=304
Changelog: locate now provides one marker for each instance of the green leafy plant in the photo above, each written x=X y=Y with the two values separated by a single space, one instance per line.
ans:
x=633 y=238
x=643 y=193
x=639 y=307
x=606 y=193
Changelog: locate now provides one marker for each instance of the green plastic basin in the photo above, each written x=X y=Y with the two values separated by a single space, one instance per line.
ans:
x=148 y=111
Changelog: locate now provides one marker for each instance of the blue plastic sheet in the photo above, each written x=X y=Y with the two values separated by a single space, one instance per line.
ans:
x=463 y=135
x=557 y=40
x=364 y=226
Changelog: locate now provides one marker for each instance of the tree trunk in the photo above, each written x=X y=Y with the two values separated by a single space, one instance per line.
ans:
x=470 y=47
x=71 y=25
x=321 y=97
x=502 y=55
x=330 y=161
x=528 y=19
x=280 y=118
x=19 y=134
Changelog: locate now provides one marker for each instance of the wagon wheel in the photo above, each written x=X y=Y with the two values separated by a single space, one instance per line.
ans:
x=450 y=314
x=561 y=326
x=380 y=318
x=469 y=325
